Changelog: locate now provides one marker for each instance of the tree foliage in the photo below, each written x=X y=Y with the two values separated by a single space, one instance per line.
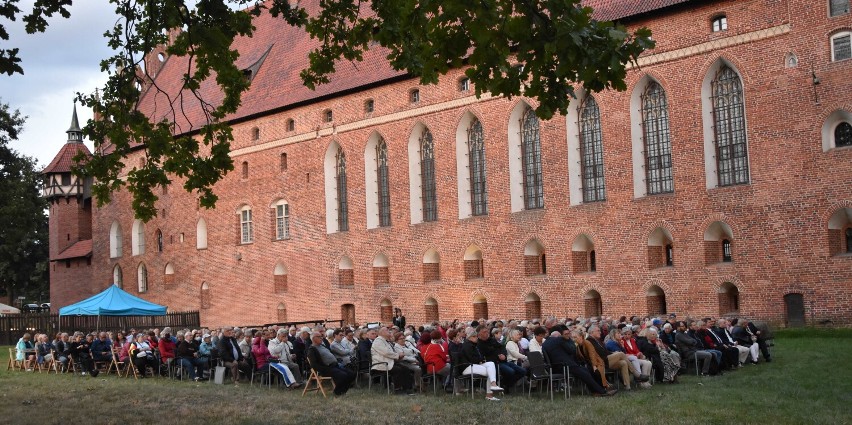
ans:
x=23 y=222
x=538 y=48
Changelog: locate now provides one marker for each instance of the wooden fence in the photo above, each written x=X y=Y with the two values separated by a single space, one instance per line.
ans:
x=13 y=327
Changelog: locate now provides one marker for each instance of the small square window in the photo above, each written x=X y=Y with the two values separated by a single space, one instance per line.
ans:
x=838 y=7
x=414 y=96
x=291 y=125
x=255 y=133
x=841 y=47
x=720 y=23
x=368 y=106
x=464 y=84
x=329 y=115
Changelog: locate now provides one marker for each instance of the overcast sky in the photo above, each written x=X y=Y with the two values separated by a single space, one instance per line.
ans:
x=57 y=64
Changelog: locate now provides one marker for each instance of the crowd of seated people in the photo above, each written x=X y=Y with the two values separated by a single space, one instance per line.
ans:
x=593 y=351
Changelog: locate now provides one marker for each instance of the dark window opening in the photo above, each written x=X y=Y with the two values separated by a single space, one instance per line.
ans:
x=591 y=151
x=342 y=205
x=66 y=179
x=383 y=183
x=464 y=84
x=656 y=135
x=245 y=169
x=255 y=133
x=531 y=161
x=593 y=266
x=414 y=96
x=329 y=116
x=841 y=47
x=543 y=264
x=729 y=127
x=369 y=106
x=843 y=135
x=726 y=251
x=669 y=255
x=283 y=164
x=849 y=240
x=291 y=125
x=427 y=176
x=476 y=158
x=159 y=241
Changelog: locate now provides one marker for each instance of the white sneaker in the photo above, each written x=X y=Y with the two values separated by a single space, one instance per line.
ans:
x=496 y=388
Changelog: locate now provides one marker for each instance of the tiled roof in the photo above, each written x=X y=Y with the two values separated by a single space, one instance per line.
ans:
x=79 y=249
x=277 y=85
x=610 y=10
x=64 y=160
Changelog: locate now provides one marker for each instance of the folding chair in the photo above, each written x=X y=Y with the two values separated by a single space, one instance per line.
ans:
x=318 y=380
x=115 y=364
x=51 y=364
x=540 y=372
x=458 y=374
x=14 y=363
x=381 y=374
x=426 y=377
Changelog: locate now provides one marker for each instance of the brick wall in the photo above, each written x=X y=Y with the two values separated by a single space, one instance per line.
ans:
x=346 y=277
x=480 y=310
x=431 y=272
x=533 y=265
x=532 y=310
x=592 y=307
x=280 y=283
x=473 y=269
x=386 y=313
x=380 y=276
x=580 y=260
x=779 y=220
x=656 y=304
x=656 y=257
x=431 y=313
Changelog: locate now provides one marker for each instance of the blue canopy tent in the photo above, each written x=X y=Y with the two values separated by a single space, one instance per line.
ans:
x=113 y=301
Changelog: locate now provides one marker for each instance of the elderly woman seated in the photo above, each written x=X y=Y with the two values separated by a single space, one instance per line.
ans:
x=513 y=350
x=436 y=355
x=665 y=360
x=25 y=352
x=409 y=359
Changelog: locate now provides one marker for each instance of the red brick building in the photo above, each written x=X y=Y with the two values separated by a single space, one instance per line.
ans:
x=719 y=182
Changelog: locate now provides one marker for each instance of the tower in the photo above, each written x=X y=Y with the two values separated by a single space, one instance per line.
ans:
x=70 y=222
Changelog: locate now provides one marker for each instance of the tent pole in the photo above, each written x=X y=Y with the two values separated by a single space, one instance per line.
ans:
x=98 y=325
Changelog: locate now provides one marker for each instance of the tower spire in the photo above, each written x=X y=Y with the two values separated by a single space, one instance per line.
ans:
x=75 y=134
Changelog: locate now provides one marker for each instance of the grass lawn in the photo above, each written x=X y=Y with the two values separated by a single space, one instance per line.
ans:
x=807 y=382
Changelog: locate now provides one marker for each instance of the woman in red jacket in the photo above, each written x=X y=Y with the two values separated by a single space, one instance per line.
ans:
x=167 y=348
x=436 y=356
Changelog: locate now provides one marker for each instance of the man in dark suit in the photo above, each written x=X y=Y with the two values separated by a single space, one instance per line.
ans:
x=232 y=357
x=688 y=348
x=322 y=360
x=562 y=352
